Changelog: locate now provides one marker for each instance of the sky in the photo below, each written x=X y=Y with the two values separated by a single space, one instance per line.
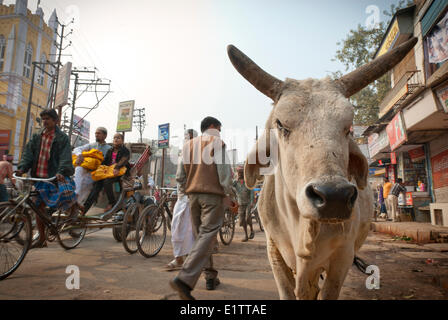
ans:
x=170 y=56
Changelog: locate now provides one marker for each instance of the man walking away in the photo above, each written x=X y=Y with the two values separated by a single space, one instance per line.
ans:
x=182 y=235
x=245 y=198
x=387 y=186
x=204 y=174
x=393 y=196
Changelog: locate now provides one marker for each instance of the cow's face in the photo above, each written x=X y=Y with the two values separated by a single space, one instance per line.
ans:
x=311 y=120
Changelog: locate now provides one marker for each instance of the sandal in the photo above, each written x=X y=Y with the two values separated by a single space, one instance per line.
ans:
x=173 y=265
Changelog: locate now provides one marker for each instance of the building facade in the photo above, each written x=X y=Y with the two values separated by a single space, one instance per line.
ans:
x=24 y=38
x=410 y=139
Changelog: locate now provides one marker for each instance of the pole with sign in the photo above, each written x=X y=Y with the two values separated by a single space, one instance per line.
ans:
x=125 y=116
x=164 y=143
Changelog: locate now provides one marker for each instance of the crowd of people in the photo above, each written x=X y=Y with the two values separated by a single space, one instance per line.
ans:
x=204 y=189
x=387 y=199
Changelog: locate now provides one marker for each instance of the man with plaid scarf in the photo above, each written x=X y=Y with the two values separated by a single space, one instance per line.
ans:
x=48 y=154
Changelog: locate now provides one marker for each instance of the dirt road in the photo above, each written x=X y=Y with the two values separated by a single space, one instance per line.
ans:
x=108 y=272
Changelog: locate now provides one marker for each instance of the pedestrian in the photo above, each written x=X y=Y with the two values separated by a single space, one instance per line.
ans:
x=151 y=185
x=118 y=155
x=397 y=189
x=381 y=202
x=204 y=174
x=245 y=198
x=83 y=177
x=6 y=172
x=386 y=190
x=182 y=236
x=48 y=154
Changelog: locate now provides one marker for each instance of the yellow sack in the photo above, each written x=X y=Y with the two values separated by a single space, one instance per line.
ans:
x=93 y=153
x=91 y=164
x=105 y=172
x=92 y=159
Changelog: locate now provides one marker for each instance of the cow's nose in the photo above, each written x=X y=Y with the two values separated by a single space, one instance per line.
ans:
x=333 y=200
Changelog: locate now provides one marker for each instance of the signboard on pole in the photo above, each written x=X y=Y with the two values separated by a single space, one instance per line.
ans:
x=125 y=116
x=63 y=85
x=164 y=136
x=81 y=127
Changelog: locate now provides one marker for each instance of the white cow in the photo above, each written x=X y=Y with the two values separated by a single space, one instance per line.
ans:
x=316 y=206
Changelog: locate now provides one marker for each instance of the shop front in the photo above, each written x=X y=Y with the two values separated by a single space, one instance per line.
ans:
x=412 y=167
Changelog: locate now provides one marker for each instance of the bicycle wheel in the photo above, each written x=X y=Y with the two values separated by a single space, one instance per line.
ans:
x=116 y=233
x=70 y=229
x=15 y=238
x=128 y=228
x=150 y=240
x=227 y=229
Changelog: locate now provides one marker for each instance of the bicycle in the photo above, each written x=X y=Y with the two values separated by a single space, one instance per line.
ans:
x=16 y=227
x=227 y=230
x=256 y=216
x=152 y=224
x=124 y=214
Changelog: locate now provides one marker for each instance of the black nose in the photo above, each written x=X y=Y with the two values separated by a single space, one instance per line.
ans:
x=333 y=200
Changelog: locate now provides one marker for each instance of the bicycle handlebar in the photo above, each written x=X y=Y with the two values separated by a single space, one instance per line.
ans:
x=33 y=179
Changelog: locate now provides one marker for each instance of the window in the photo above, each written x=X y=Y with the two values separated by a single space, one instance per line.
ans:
x=2 y=52
x=27 y=62
x=41 y=70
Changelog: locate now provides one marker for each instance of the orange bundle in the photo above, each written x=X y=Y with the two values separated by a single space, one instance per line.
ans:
x=105 y=172
x=92 y=159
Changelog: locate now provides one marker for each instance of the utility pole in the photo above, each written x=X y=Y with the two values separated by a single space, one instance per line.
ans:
x=87 y=83
x=36 y=65
x=139 y=114
x=54 y=88
x=30 y=101
x=75 y=93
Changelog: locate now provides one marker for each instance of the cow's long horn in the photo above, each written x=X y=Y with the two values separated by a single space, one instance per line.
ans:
x=260 y=79
x=356 y=80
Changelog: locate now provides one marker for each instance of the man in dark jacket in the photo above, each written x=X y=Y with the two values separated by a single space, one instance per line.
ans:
x=48 y=154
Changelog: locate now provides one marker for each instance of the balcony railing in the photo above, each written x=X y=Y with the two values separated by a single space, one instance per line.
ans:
x=407 y=85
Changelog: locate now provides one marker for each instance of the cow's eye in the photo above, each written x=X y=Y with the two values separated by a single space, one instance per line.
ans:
x=285 y=132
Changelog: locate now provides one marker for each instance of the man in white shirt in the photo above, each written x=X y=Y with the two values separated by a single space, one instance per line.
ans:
x=83 y=178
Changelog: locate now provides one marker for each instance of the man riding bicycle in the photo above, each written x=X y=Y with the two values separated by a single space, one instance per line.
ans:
x=48 y=154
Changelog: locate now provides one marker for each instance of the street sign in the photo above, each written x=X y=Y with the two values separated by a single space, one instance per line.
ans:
x=164 y=136
x=125 y=116
x=81 y=127
x=63 y=85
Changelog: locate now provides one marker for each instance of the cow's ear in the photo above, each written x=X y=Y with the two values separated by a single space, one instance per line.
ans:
x=258 y=162
x=358 y=166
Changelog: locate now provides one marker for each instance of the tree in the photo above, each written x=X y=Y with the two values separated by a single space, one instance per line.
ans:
x=357 y=49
